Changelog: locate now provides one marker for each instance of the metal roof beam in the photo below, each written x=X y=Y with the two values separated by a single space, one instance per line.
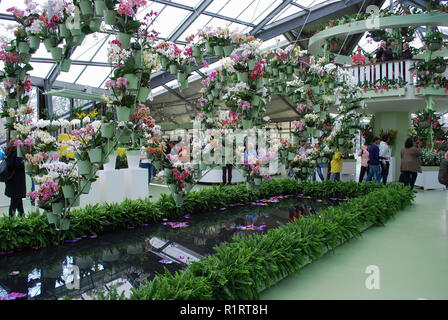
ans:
x=191 y=18
x=74 y=62
x=40 y=82
x=288 y=103
x=270 y=16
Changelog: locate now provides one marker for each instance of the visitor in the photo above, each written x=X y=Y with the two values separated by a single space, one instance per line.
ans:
x=407 y=53
x=410 y=163
x=364 y=154
x=384 y=52
x=250 y=155
x=374 y=161
x=227 y=174
x=443 y=171
x=385 y=155
x=359 y=58
x=16 y=186
x=336 y=166
x=146 y=164
x=319 y=167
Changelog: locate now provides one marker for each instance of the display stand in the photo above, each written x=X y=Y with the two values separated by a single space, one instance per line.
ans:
x=215 y=176
x=429 y=179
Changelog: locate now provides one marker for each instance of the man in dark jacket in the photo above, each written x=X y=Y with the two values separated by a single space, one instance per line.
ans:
x=407 y=53
x=443 y=171
x=16 y=186
x=374 y=161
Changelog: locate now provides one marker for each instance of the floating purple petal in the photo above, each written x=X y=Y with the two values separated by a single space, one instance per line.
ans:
x=92 y=237
x=146 y=224
x=14 y=273
x=17 y=295
x=318 y=200
x=6 y=252
x=187 y=216
x=131 y=227
x=180 y=257
x=166 y=261
x=334 y=199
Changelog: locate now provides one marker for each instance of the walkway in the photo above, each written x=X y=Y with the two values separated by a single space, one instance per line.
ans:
x=411 y=252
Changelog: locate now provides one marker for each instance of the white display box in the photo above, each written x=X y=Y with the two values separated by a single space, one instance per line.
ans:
x=215 y=176
x=429 y=179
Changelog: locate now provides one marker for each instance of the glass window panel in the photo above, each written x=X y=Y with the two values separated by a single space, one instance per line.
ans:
x=90 y=45
x=216 y=6
x=101 y=56
x=157 y=7
x=168 y=20
x=71 y=75
x=41 y=52
x=196 y=26
x=79 y=103
x=41 y=70
x=289 y=10
x=93 y=76
x=258 y=11
x=61 y=105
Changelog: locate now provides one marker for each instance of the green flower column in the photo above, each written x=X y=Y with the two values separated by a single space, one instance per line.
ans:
x=397 y=121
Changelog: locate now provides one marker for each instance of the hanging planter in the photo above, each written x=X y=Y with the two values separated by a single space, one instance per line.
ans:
x=14 y=134
x=51 y=217
x=275 y=71
x=219 y=51
x=125 y=39
x=124 y=135
x=440 y=68
x=132 y=80
x=34 y=42
x=291 y=156
x=95 y=24
x=256 y=100
x=197 y=52
x=250 y=186
x=316 y=108
x=86 y=7
x=188 y=187
x=133 y=157
x=138 y=58
x=257 y=181
x=173 y=68
x=243 y=77
x=75 y=31
x=316 y=133
x=434 y=46
x=84 y=167
x=96 y=155
x=340 y=141
x=57 y=207
x=65 y=65
x=68 y=191
x=63 y=31
x=251 y=64
x=56 y=53
x=28 y=168
x=209 y=48
x=64 y=224
x=181 y=77
x=78 y=39
x=109 y=163
x=107 y=130
x=85 y=186
x=100 y=6
x=110 y=16
x=12 y=102
x=24 y=47
x=179 y=199
x=289 y=70
x=48 y=44
x=123 y=114
x=172 y=187
x=228 y=50
x=282 y=76
x=247 y=124
x=352 y=131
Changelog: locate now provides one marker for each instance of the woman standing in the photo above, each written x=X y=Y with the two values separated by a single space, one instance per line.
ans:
x=364 y=154
x=16 y=186
x=410 y=162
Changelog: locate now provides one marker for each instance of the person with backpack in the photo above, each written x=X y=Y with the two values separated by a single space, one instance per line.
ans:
x=16 y=185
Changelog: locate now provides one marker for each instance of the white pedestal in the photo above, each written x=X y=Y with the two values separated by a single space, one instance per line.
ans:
x=348 y=172
x=4 y=200
x=135 y=183
x=215 y=176
x=112 y=186
x=429 y=179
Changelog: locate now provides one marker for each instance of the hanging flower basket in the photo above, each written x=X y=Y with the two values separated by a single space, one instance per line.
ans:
x=85 y=186
x=123 y=114
x=48 y=44
x=179 y=199
x=434 y=46
x=57 y=207
x=352 y=131
x=197 y=52
x=282 y=76
x=14 y=134
x=65 y=65
x=56 y=53
x=63 y=31
x=132 y=81
x=51 y=217
x=243 y=77
x=219 y=51
x=256 y=100
x=316 y=108
x=247 y=124
x=250 y=186
x=86 y=7
x=291 y=156
x=96 y=155
x=228 y=50
x=107 y=130
x=173 y=68
x=78 y=39
x=316 y=133
x=251 y=64
x=84 y=167
x=440 y=69
x=64 y=224
x=110 y=17
x=68 y=191
x=124 y=135
x=34 y=42
x=100 y=6
x=95 y=24
x=209 y=48
x=181 y=77
x=74 y=202
x=340 y=141
x=125 y=39
x=257 y=181
x=24 y=47
x=188 y=187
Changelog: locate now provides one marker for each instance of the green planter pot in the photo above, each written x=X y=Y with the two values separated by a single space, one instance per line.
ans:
x=434 y=46
x=76 y=32
x=28 y=167
x=34 y=42
x=96 y=155
x=289 y=70
x=12 y=102
x=78 y=39
x=24 y=47
x=100 y=6
x=110 y=16
x=124 y=135
x=282 y=76
x=188 y=187
x=291 y=156
x=209 y=49
x=352 y=131
x=228 y=50
x=51 y=217
x=247 y=124
x=108 y=147
x=86 y=7
x=57 y=208
x=132 y=80
x=250 y=186
x=107 y=130
x=257 y=181
x=275 y=72
x=256 y=100
x=9 y=120
x=63 y=31
x=243 y=77
x=251 y=64
x=64 y=224
x=125 y=39
x=68 y=191
x=74 y=202
x=316 y=133
x=173 y=68
x=65 y=65
x=163 y=61
x=14 y=134
x=56 y=53
x=84 y=167
x=138 y=58
x=197 y=52
x=85 y=186
x=340 y=141
x=172 y=188
x=316 y=108
x=95 y=24
x=48 y=44
x=219 y=51
x=181 y=77
x=123 y=113
x=178 y=199
x=19 y=152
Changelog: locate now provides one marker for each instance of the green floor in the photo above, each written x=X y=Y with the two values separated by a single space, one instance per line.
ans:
x=411 y=252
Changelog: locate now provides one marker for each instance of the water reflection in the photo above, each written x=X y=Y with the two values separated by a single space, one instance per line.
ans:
x=128 y=258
